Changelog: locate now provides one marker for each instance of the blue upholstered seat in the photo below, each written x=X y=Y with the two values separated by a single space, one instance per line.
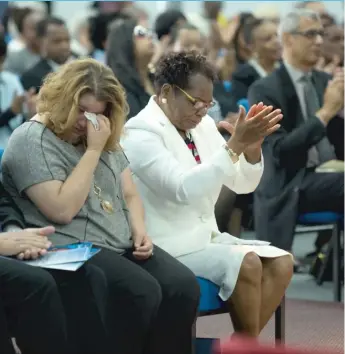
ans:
x=243 y=102
x=210 y=300
x=319 y=218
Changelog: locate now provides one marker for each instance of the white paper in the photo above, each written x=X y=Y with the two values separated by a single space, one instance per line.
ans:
x=92 y=117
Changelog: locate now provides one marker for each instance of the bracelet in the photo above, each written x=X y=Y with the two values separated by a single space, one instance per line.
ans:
x=231 y=152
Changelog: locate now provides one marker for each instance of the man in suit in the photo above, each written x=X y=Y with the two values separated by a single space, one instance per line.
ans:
x=310 y=102
x=262 y=36
x=55 y=42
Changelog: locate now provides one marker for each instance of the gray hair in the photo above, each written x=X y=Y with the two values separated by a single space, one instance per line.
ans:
x=290 y=23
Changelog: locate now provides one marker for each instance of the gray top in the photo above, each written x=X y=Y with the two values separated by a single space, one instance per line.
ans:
x=35 y=154
x=19 y=62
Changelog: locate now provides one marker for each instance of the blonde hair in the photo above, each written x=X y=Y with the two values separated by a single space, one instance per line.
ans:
x=58 y=99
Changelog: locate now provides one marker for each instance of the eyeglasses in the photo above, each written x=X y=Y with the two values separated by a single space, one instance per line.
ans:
x=142 y=32
x=197 y=104
x=311 y=34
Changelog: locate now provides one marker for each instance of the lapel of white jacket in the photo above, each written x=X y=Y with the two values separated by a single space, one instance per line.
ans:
x=172 y=139
x=200 y=138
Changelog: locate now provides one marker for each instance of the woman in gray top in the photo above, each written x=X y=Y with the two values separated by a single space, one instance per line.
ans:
x=62 y=169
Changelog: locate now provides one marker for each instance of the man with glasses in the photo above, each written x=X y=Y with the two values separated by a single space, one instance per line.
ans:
x=310 y=101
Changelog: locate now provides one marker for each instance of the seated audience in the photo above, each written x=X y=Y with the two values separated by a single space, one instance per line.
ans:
x=310 y=102
x=180 y=163
x=262 y=36
x=75 y=175
x=267 y=11
x=13 y=100
x=22 y=60
x=167 y=21
x=79 y=29
x=243 y=51
x=332 y=49
x=42 y=308
x=187 y=38
x=320 y=8
x=99 y=26
x=130 y=50
x=55 y=41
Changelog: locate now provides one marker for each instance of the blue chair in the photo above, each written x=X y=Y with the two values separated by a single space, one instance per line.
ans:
x=211 y=304
x=243 y=102
x=315 y=222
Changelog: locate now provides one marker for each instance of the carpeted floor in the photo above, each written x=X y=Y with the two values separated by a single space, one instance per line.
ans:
x=312 y=324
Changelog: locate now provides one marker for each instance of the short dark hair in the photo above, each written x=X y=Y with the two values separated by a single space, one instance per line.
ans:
x=120 y=55
x=245 y=19
x=99 y=28
x=177 y=69
x=249 y=29
x=42 y=26
x=166 y=21
x=3 y=47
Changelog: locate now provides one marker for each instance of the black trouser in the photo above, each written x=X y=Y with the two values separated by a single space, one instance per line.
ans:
x=224 y=207
x=152 y=304
x=51 y=312
x=34 y=312
x=322 y=192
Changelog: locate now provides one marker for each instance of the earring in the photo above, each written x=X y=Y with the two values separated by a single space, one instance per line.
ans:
x=164 y=100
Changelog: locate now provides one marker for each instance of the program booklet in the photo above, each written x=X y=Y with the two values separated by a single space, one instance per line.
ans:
x=332 y=166
x=65 y=257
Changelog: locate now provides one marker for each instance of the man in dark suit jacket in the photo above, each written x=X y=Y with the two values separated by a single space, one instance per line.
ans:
x=261 y=35
x=309 y=103
x=55 y=42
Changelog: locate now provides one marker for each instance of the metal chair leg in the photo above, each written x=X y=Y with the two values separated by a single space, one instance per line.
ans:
x=329 y=257
x=194 y=337
x=280 y=323
x=336 y=260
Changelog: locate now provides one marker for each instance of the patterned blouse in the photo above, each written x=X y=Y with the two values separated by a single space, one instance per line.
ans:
x=191 y=146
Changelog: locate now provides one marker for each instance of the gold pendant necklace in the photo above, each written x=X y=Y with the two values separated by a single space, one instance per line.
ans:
x=107 y=207
x=105 y=204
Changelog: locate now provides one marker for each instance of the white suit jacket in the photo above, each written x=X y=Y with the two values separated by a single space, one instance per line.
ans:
x=179 y=195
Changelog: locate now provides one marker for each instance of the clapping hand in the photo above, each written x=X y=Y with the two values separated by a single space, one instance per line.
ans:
x=331 y=67
x=249 y=131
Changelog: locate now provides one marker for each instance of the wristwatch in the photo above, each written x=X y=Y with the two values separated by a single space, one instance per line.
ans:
x=231 y=153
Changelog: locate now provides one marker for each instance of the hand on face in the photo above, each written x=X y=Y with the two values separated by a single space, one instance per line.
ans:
x=96 y=139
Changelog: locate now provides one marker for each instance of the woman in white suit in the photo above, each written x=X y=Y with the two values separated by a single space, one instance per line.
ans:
x=180 y=163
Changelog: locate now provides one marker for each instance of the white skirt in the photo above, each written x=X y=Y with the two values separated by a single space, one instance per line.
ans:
x=220 y=261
